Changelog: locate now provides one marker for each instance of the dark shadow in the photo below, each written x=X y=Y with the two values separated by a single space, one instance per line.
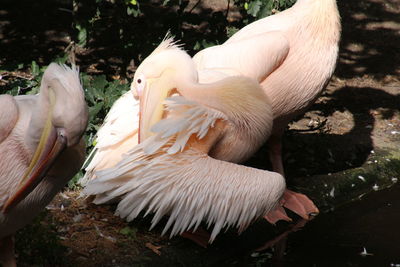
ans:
x=311 y=153
x=370 y=39
x=322 y=153
x=122 y=41
x=33 y=30
x=116 y=42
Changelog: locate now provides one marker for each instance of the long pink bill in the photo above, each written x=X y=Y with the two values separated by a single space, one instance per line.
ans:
x=54 y=144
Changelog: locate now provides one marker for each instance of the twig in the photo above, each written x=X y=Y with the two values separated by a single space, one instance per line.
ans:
x=66 y=10
x=195 y=5
x=227 y=10
x=13 y=74
x=155 y=249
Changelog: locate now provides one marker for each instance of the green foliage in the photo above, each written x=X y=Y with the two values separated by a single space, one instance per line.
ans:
x=82 y=35
x=262 y=8
x=137 y=27
x=203 y=44
x=100 y=95
x=130 y=232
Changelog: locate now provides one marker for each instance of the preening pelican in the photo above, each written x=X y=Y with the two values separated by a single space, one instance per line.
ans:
x=41 y=148
x=174 y=170
x=292 y=55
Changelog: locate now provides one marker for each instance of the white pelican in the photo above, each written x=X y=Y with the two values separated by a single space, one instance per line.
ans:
x=175 y=169
x=41 y=148
x=291 y=54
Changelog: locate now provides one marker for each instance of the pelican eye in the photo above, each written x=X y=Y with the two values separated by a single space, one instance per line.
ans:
x=140 y=84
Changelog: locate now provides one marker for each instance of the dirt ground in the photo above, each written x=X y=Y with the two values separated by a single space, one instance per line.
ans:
x=358 y=114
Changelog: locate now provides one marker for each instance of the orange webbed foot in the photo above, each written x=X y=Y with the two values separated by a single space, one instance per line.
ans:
x=296 y=202
x=299 y=204
x=277 y=214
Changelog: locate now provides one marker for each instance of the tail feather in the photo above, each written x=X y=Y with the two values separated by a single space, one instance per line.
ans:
x=191 y=187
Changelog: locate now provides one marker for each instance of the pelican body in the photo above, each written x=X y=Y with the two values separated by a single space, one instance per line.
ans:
x=172 y=171
x=290 y=55
x=41 y=148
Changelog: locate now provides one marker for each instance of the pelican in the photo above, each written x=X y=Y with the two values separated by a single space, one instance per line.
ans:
x=292 y=54
x=41 y=148
x=175 y=169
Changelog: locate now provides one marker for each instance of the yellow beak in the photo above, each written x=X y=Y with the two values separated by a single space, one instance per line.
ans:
x=52 y=142
x=151 y=108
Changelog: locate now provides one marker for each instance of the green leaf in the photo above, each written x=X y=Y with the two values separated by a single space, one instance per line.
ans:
x=254 y=8
x=94 y=110
x=34 y=68
x=82 y=35
x=231 y=31
x=128 y=231
x=73 y=183
x=133 y=2
x=133 y=11
x=266 y=10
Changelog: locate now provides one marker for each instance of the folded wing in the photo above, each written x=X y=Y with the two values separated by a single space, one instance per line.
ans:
x=171 y=174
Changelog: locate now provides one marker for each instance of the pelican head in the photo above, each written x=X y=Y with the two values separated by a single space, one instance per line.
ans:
x=68 y=109
x=59 y=119
x=157 y=78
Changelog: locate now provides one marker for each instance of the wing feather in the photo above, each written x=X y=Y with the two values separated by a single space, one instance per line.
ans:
x=116 y=136
x=256 y=57
x=184 y=183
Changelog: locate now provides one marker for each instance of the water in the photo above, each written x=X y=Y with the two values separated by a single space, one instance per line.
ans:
x=362 y=233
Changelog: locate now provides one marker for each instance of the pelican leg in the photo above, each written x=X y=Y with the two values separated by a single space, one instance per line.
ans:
x=275 y=153
x=296 y=202
x=7 y=252
x=200 y=237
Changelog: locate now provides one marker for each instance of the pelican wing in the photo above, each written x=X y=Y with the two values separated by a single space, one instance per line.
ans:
x=117 y=135
x=256 y=56
x=184 y=182
x=121 y=121
x=8 y=115
x=186 y=118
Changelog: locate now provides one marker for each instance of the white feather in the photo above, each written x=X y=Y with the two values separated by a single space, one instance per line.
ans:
x=120 y=123
x=164 y=176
